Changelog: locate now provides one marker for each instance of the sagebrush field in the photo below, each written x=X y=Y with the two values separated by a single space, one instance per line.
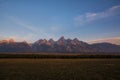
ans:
x=59 y=69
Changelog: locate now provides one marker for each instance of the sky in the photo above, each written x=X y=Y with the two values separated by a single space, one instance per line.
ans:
x=86 y=20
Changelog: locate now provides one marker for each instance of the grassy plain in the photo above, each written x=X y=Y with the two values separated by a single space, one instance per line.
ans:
x=59 y=69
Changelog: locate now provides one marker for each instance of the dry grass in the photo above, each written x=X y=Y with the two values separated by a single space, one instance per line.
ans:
x=59 y=69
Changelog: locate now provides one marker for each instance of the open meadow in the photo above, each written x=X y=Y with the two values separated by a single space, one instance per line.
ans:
x=59 y=69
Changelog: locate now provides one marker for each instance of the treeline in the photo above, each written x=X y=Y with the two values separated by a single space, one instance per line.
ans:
x=58 y=56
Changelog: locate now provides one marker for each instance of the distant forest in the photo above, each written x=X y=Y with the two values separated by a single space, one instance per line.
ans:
x=58 y=55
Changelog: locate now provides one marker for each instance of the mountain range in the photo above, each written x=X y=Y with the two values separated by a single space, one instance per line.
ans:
x=62 y=45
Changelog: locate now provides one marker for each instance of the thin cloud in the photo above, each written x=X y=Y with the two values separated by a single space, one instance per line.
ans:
x=55 y=28
x=88 y=17
x=105 y=39
x=37 y=32
x=113 y=40
x=22 y=24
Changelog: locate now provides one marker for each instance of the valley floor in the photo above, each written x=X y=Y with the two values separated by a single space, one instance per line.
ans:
x=59 y=69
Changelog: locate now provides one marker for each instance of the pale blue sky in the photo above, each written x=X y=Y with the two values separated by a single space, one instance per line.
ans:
x=35 y=19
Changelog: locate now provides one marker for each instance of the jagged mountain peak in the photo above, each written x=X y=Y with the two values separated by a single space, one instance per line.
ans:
x=41 y=41
x=61 y=41
x=61 y=38
x=51 y=40
x=76 y=40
